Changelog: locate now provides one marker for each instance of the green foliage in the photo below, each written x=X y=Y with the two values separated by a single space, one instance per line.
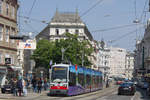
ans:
x=75 y=50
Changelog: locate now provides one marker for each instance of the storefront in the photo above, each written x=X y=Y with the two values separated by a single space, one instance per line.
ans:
x=9 y=72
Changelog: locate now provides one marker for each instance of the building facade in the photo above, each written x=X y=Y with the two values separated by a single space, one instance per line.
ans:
x=62 y=23
x=68 y=22
x=8 y=26
x=117 y=61
x=142 y=54
x=129 y=66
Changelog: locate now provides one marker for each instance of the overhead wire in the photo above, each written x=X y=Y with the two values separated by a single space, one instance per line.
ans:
x=124 y=35
x=31 y=8
x=93 y=6
x=33 y=19
x=143 y=11
x=135 y=8
x=113 y=28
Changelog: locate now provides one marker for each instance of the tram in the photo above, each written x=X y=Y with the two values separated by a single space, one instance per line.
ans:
x=73 y=80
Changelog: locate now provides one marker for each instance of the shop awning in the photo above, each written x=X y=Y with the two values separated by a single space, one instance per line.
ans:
x=16 y=68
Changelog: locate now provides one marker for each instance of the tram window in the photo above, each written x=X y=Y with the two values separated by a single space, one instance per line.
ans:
x=100 y=79
x=72 y=79
x=93 y=79
x=81 y=79
x=97 y=78
x=88 y=79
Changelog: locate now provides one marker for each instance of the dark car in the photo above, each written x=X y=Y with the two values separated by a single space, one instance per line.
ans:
x=6 y=88
x=127 y=88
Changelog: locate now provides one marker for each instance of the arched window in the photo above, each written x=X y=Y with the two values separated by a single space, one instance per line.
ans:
x=7 y=34
x=1 y=6
x=1 y=32
x=76 y=31
x=13 y=12
x=7 y=9
x=57 y=31
x=67 y=31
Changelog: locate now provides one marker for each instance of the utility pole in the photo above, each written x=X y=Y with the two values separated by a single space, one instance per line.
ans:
x=82 y=58
x=143 y=61
x=62 y=50
x=149 y=5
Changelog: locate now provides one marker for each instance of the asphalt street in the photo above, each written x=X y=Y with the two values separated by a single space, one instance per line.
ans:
x=105 y=94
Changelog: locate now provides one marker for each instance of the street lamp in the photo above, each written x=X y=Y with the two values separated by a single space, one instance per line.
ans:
x=41 y=74
x=62 y=50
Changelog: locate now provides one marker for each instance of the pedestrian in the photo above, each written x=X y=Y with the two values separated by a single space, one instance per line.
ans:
x=14 y=87
x=45 y=84
x=39 y=85
x=34 y=84
x=24 y=87
x=19 y=86
x=107 y=83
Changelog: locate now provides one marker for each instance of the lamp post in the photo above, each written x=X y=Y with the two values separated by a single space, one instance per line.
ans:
x=41 y=74
x=63 y=50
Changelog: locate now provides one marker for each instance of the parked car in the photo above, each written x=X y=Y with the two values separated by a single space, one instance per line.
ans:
x=119 y=82
x=6 y=88
x=127 y=88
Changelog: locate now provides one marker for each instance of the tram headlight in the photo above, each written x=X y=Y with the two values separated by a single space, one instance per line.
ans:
x=52 y=85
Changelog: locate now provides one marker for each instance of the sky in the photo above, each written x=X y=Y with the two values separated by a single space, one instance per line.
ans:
x=104 y=15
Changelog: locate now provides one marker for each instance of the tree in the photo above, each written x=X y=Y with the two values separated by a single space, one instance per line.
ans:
x=74 y=51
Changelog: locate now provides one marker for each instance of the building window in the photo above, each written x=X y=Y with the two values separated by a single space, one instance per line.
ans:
x=57 y=31
x=1 y=33
x=1 y=60
x=13 y=12
x=76 y=31
x=12 y=33
x=7 y=34
x=12 y=59
x=1 y=6
x=7 y=9
x=67 y=31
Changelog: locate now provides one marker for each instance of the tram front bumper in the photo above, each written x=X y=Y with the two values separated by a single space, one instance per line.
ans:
x=58 y=91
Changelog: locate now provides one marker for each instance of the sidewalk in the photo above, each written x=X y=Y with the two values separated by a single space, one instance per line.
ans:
x=29 y=95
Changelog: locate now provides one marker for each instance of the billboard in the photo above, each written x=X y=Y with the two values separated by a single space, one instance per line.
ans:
x=29 y=44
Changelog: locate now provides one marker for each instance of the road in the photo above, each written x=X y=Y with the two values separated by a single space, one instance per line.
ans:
x=106 y=94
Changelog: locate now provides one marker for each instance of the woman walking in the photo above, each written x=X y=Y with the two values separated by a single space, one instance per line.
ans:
x=39 y=85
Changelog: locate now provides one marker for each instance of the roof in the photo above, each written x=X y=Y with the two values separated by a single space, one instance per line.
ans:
x=71 y=17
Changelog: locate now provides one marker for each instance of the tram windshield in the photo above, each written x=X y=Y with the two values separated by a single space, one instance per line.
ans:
x=59 y=74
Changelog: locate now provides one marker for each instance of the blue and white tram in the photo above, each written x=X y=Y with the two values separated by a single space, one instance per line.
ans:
x=73 y=80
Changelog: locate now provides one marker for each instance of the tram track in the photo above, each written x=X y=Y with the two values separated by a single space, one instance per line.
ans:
x=97 y=95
